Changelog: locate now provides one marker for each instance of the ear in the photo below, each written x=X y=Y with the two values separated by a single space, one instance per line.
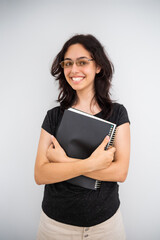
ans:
x=98 y=69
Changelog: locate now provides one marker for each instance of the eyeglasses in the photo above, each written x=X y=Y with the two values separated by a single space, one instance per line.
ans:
x=80 y=62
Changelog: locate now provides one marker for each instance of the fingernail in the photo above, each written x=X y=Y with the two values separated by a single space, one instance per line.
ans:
x=107 y=137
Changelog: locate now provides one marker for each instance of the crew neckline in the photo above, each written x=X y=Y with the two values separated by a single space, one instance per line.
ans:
x=97 y=113
x=88 y=113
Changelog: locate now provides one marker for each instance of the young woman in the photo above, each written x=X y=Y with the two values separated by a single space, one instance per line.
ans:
x=69 y=212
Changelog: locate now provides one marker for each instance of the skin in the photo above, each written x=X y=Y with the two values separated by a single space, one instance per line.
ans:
x=84 y=89
x=53 y=165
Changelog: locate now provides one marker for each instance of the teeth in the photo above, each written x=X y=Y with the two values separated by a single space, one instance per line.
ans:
x=77 y=79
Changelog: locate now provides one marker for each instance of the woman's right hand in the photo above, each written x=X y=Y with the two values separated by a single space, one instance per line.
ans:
x=101 y=158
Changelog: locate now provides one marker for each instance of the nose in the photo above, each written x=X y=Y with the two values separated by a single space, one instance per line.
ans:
x=74 y=68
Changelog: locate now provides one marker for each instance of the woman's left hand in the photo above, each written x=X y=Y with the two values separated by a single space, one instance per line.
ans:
x=55 y=152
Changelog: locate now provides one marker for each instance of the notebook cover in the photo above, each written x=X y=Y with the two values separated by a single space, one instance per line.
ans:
x=80 y=134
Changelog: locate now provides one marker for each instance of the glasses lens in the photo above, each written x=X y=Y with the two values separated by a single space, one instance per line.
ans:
x=66 y=63
x=79 y=62
x=82 y=62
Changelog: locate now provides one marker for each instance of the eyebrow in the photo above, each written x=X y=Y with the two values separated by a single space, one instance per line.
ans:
x=76 y=59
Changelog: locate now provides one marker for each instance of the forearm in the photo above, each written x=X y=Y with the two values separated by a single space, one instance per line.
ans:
x=57 y=172
x=111 y=173
x=116 y=172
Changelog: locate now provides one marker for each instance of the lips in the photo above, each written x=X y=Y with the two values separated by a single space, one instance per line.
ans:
x=77 y=79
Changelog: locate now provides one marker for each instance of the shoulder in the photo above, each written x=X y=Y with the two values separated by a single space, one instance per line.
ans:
x=119 y=114
x=118 y=108
x=54 y=113
x=54 y=110
x=51 y=119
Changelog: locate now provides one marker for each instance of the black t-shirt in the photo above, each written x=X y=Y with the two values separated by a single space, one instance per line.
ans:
x=75 y=205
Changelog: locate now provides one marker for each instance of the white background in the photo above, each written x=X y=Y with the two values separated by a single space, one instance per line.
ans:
x=32 y=33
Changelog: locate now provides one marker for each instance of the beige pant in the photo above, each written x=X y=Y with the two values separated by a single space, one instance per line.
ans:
x=112 y=229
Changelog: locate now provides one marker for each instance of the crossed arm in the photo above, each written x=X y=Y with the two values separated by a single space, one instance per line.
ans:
x=53 y=165
x=118 y=169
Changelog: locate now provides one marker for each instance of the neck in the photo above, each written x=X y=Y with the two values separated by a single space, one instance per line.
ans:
x=85 y=103
x=84 y=98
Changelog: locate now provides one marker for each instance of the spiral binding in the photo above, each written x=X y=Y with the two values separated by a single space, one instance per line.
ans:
x=111 y=143
x=97 y=184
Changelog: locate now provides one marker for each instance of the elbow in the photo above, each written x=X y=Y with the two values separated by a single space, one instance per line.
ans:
x=37 y=178
x=122 y=177
x=37 y=181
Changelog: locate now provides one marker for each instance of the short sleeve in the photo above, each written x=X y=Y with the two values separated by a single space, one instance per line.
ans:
x=46 y=125
x=50 y=120
x=122 y=116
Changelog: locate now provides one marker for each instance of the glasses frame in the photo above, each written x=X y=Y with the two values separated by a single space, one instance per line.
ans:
x=81 y=58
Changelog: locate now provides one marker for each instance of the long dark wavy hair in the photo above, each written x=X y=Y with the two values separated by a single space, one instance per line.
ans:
x=102 y=83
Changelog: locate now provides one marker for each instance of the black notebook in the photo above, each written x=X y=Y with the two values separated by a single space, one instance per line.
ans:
x=79 y=134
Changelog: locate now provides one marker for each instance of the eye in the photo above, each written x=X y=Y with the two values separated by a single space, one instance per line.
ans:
x=68 y=63
x=82 y=62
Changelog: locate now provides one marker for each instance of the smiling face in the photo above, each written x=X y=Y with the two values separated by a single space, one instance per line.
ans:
x=80 y=77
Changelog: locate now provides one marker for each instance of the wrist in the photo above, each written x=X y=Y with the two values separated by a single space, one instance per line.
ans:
x=86 y=164
x=89 y=164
